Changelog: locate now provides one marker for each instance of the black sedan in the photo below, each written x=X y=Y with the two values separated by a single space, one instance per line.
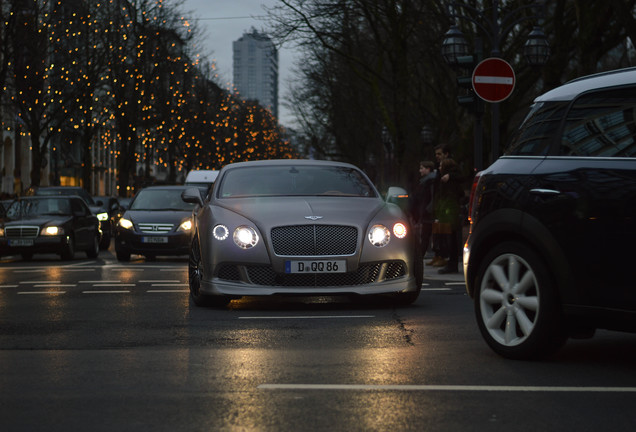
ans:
x=55 y=224
x=157 y=222
x=99 y=210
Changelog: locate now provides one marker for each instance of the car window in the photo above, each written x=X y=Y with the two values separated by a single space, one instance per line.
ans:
x=288 y=180
x=160 y=199
x=536 y=133
x=601 y=124
x=79 y=207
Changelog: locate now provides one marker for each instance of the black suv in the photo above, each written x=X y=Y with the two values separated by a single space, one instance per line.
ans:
x=553 y=221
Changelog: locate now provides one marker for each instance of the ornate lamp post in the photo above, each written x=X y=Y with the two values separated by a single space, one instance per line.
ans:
x=495 y=28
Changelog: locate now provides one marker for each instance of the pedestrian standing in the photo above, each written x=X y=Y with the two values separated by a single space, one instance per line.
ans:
x=448 y=201
x=421 y=205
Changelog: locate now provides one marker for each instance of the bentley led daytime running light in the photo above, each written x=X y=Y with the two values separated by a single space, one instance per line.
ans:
x=220 y=232
x=399 y=230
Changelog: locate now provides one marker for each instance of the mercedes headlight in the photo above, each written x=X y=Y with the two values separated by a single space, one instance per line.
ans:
x=102 y=216
x=52 y=230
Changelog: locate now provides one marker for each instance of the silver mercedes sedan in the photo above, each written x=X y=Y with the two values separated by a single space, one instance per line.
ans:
x=299 y=227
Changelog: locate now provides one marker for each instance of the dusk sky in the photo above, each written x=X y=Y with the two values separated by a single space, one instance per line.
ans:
x=224 y=21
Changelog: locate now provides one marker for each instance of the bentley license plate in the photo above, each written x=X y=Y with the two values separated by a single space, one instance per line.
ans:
x=154 y=239
x=316 y=266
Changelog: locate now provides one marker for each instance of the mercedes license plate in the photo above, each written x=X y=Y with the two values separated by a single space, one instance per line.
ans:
x=21 y=242
x=316 y=266
x=154 y=239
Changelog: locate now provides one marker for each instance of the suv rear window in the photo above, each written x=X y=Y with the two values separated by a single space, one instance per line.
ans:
x=537 y=130
x=601 y=124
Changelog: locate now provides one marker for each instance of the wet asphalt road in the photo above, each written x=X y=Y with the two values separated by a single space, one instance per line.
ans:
x=97 y=345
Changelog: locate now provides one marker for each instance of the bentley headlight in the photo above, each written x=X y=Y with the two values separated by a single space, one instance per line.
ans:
x=102 y=216
x=245 y=237
x=125 y=223
x=220 y=232
x=52 y=230
x=379 y=235
x=186 y=225
x=399 y=230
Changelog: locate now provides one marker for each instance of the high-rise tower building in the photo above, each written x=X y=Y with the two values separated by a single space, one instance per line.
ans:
x=255 y=60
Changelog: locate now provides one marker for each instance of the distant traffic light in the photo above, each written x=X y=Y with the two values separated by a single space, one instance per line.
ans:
x=467 y=97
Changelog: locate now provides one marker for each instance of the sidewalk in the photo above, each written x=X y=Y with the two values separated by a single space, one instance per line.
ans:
x=430 y=273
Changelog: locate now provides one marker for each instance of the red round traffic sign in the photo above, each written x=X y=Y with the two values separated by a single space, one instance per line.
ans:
x=493 y=79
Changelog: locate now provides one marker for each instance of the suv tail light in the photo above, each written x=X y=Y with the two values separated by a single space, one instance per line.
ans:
x=473 y=196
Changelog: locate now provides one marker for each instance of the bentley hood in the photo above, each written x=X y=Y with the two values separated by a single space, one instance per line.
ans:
x=268 y=212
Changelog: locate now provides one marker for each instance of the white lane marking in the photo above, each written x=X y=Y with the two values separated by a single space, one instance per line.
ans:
x=39 y=282
x=29 y=271
x=307 y=317
x=436 y=289
x=106 y=285
x=41 y=292
x=160 y=281
x=99 y=281
x=53 y=285
x=479 y=388
x=8 y=286
x=106 y=292
x=167 y=291
x=454 y=283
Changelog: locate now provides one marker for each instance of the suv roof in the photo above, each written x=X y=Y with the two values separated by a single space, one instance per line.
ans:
x=571 y=89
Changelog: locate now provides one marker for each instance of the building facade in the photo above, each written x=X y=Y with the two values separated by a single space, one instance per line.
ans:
x=255 y=66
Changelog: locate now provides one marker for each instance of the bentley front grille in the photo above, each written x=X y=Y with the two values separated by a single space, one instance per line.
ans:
x=314 y=240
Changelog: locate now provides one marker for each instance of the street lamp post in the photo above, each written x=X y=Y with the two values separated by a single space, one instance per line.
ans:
x=455 y=50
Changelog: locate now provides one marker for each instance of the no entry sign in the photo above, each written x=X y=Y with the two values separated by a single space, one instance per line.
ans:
x=493 y=79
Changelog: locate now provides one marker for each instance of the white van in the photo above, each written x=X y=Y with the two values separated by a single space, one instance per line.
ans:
x=201 y=177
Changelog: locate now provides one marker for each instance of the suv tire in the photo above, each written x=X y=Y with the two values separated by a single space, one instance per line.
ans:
x=516 y=304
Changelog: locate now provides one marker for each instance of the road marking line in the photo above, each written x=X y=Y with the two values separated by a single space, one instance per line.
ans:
x=167 y=291
x=107 y=292
x=160 y=281
x=308 y=317
x=8 y=286
x=436 y=289
x=41 y=292
x=105 y=285
x=100 y=281
x=53 y=285
x=455 y=283
x=30 y=271
x=480 y=388
x=39 y=282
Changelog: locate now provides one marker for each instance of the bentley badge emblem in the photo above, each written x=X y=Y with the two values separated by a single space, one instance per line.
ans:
x=313 y=218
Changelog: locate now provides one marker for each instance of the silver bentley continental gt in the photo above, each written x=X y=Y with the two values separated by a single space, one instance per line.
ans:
x=299 y=227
